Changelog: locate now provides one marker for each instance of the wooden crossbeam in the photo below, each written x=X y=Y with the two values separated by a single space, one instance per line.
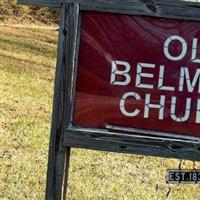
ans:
x=175 y=9
x=48 y=3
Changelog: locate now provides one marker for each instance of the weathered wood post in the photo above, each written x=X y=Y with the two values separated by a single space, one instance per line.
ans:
x=92 y=107
x=58 y=154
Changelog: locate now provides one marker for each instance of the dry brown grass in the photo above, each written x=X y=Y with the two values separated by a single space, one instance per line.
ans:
x=27 y=60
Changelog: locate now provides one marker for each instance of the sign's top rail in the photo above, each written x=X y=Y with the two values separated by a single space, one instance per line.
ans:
x=176 y=9
x=48 y=3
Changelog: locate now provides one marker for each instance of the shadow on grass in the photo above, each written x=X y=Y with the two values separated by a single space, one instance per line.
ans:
x=35 y=49
x=24 y=65
x=41 y=34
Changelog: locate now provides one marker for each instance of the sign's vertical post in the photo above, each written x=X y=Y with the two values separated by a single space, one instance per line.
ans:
x=56 y=162
x=59 y=156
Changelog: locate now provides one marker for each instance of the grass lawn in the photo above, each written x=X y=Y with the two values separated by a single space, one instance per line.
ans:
x=27 y=66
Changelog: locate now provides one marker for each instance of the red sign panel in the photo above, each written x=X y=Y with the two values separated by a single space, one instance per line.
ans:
x=139 y=72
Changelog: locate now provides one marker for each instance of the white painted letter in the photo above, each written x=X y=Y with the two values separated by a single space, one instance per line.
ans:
x=184 y=75
x=116 y=72
x=161 y=79
x=122 y=104
x=166 y=48
x=194 y=51
x=198 y=112
x=160 y=106
x=187 y=110
x=140 y=74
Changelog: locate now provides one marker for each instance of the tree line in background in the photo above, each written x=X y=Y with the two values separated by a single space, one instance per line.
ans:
x=10 y=10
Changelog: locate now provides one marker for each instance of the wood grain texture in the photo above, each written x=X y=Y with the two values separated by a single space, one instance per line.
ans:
x=48 y=3
x=133 y=141
x=58 y=155
x=176 y=9
x=135 y=144
x=56 y=159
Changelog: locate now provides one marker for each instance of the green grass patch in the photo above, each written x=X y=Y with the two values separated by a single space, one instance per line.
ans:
x=27 y=67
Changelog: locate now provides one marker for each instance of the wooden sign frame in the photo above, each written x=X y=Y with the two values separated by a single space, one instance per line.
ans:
x=64 y=134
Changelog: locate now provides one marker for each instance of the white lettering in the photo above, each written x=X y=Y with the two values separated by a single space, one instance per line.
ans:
x=161 y=80
x=140 y=74
x=167 y=44
x=116 y=72
x=122 y=104
x=194 y=51
x=198 y=112
x=187 y=110
x=160 y=106
x=184 y=75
